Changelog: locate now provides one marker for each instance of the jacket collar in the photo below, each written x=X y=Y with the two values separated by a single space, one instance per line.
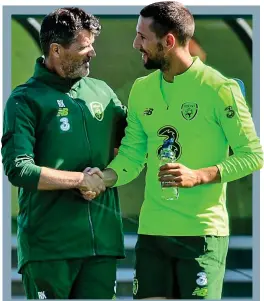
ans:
x=52 y=79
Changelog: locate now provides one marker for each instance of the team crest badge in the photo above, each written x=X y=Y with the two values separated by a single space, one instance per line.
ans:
x=135 y=286
x=97 y=110
x=189 y=110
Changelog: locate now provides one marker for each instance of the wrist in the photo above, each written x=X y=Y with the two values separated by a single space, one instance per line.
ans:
x=110 y=177
x=208 y=175
x=199 y=177
x=80 y=178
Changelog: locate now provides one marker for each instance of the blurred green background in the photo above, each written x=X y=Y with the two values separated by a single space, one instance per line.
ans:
x=118 y=64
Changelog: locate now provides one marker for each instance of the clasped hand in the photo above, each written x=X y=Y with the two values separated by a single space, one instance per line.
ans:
x=92 y=184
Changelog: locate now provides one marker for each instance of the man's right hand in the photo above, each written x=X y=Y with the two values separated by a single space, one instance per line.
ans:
x=91 y=186
x=108 y=175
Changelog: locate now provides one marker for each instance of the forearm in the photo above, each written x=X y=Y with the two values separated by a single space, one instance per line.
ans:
x=132 y=153
x=52 y=179
x=126 y=168
x=208 y=175
x=240 y=133
x=233 y=168
x=110 y=177
x=22 y=172
x=239 y=166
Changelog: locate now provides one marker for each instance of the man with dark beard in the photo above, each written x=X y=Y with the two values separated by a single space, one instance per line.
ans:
x=55 y=125
x=182 y=244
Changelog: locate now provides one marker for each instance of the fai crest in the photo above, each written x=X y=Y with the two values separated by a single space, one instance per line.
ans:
x=189 y=110
x=97 y=110
x=135 y=286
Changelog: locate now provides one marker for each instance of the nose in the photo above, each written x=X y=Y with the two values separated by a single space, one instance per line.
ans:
x=136 y=43
x=91 y=53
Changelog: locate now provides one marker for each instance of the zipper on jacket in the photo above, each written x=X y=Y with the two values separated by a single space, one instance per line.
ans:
x=92 y=228
x=85 y=129
x=89 y=210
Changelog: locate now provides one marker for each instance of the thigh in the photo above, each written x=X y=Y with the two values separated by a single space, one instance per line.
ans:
x=96 y=279
x=47 y=279
x=201 y=276
x=152 y=269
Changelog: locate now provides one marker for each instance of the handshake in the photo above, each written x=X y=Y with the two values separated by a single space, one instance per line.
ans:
x=95 y=181
x=92 y=183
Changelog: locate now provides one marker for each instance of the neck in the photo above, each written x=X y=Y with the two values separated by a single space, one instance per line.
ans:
x=49 y=63
x=180 y=61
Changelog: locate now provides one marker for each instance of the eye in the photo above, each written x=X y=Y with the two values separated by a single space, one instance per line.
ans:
x=85 y=47
x=141 y=36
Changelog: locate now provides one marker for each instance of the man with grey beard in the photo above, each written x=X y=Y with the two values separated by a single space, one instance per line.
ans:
x=55 y=125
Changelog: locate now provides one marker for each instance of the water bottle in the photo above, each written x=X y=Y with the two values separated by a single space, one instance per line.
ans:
x=168 y=156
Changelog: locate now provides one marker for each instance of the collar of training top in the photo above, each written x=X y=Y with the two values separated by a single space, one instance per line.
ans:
x=53 y=79
x=190 y=72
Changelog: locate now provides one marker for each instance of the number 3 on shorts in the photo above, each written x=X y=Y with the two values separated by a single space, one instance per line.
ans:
x=202 y=279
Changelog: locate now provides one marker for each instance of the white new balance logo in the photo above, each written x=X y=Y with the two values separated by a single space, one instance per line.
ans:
x=41 y=295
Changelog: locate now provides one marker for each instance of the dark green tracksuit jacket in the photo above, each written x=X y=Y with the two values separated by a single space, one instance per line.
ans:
x=66 y=125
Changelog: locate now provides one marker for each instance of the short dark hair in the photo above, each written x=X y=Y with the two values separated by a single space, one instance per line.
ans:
x=170 y=16
x=63 y=25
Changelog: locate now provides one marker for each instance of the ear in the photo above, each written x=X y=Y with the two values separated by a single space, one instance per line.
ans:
x=170 y=40
x=55 y=49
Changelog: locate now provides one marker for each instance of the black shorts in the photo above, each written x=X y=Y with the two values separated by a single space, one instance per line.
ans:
x=180 y=267
x=86 y=278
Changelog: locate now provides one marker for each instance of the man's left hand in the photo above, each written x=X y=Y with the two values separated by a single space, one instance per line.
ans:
x=178 y=175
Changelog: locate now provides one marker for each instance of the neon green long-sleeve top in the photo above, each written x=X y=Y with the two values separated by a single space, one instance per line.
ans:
x=205 y=113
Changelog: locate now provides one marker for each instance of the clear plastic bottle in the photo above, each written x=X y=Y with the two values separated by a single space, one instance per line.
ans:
x=168 y=156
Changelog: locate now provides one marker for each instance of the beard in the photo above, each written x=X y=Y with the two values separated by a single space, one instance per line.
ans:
x=154 y=63
x=75 y=69
x=157 y=62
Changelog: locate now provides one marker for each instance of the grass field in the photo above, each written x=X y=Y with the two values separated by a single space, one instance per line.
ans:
x=119 y=65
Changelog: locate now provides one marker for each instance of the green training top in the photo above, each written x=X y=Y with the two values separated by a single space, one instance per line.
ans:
x=205 y=113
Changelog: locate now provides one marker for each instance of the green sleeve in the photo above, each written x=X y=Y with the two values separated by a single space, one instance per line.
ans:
x=235 y=119
x=18 y=143
x=132 y=153
x=120 y=116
